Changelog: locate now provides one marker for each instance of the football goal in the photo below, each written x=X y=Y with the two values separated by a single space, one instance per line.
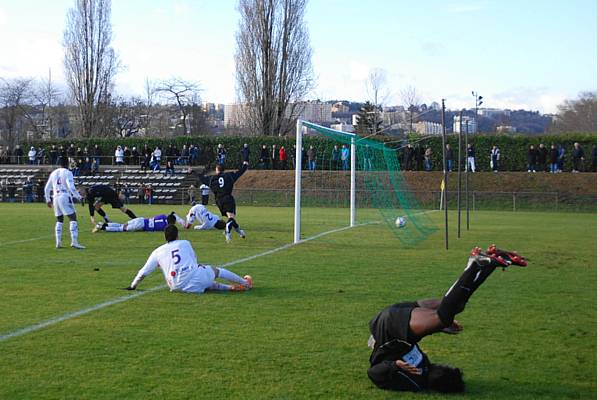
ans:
x=356 y=181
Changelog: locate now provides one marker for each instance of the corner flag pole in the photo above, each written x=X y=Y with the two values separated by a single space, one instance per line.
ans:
x=459 y=174
x=297 y=181
x=445 y=181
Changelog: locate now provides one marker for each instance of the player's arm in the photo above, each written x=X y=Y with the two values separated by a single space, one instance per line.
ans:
x=180 y=221
x=394 y=375
x=148 y=268
x=70 y=184
x=243 y=168
x=48 y=192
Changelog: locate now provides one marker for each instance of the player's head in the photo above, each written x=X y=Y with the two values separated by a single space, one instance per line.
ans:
x=171 y=219
x=171 y=233
x=445 y=379
x=219 y=168
x=64 y=162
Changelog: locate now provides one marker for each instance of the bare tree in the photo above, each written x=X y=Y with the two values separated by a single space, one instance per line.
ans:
x=376 y=90
x=47 y=95
x=578 y=115
x=273 y=63
x=90 y=62
x=183 y=94
x=15 y=97
x=411 y=100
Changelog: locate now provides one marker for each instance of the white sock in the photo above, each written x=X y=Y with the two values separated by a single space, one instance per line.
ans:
x=74 y=232
x=231 y=276
x=220 y=287
x=58 y=231
x=114 y=227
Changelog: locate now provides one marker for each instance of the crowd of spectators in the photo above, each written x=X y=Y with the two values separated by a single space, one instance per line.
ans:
x=412 y=158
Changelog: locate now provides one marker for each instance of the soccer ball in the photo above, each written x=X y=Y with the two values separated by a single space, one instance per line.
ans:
x=400 y=222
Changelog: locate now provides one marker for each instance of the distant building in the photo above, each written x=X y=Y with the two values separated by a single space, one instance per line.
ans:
x=469 y=125
x=340 y=107
x=315 y=111
x=233 y=116
x=340 y=126
x=505 y=129
x=493 y=112
x=428 y=128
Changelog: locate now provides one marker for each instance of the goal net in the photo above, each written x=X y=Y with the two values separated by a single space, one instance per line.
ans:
x=343 y=180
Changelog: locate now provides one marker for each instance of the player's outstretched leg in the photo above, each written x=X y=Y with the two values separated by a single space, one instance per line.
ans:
x=239 y=284
x=232 y=224
x=480 y=266
x=58 y=233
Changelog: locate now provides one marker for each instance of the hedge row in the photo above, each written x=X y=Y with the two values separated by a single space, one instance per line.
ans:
x=513 y=148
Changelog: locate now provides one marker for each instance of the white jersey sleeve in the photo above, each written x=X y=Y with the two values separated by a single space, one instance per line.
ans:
x=61 y=182
x=150 y=265
x=194 y=213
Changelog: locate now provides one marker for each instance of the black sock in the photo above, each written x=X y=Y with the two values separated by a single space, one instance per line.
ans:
x=232 y=221
x=104 y=225
x=457 y=296
x=103 y=214
x=131 y=214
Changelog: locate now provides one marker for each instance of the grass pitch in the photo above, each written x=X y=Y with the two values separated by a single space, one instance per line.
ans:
x=529 y=333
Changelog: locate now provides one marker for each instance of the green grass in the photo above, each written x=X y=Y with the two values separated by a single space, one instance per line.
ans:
x=529 y=333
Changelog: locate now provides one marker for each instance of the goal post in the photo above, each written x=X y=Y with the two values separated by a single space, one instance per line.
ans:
x=300 y=126
x=362 y=172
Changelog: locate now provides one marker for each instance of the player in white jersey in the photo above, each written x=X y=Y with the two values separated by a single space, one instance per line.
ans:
x=206 y=219
x=183 y=273
x=60 y=191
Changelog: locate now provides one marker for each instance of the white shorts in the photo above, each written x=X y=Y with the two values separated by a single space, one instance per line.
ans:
x=203 y=277
x=63 y=205
x=135 y=225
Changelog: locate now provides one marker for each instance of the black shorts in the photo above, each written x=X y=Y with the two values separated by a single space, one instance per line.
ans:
x=393 y=322
x=226 y=205
x=114 y=201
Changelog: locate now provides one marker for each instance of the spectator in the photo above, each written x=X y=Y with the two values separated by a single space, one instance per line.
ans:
x=141 y=193
x=71 y=153
x=97 y=155
x=542 y=158
x=156 y=158
x=275 y=156
x=85 y=166
x=119 y=155
x=135 y=156
x=192 y=192
x=4 y=190
x=126 y=191
x=94 y=166
x=594 y=158
x=194 y=154
x=148 y=194
x=39 y=190
x=184 y=155
x=245 y=153
x=419 y=157
x=553 y=159
x=311 y=160
x=147 y=154
x=428 y=161
x=449 y=157
x=304 y=163
x=561 y=158
x=28 y=191
x=18 y=154
x=169 y=167
x=409 y=157
x=221 y=154
x=127 y=155
x=12 y=191
x=532 y=155
x=264 y=157
x=367 y=158
x=53 y=155
x=470 y=158
x=345 y=157
x=283 y=158
x=494 y=155
x=32 y=156
x=578 y=158
x=4 y=155
x=335 y=158
x=204 y=194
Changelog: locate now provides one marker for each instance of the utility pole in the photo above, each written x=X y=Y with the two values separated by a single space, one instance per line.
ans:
x=445 y=180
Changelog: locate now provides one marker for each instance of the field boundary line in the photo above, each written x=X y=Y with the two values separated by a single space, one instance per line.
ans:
x=25 y=240
x=44 y=324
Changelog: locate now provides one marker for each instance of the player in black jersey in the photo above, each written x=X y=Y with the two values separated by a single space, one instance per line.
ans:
x=98 y=195
x=221 y=184
x=397 y=362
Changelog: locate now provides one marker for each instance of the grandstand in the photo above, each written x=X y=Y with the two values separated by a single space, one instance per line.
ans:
x=167 y=188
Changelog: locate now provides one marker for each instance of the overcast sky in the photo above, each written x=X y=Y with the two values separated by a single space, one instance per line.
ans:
x=528 y=54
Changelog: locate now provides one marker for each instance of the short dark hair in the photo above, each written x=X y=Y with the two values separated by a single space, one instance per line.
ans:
x=171 y=233
x=64 y=161
x=171 y=219
x=220 y=167
x=445 y=379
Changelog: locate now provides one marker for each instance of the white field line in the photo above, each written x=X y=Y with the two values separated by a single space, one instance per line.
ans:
x=67 y=316
x=26 y=240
